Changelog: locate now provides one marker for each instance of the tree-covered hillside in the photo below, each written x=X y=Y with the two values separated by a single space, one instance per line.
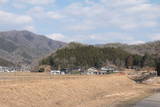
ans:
x=85 y=56
x=151 y=48
x=6 y=63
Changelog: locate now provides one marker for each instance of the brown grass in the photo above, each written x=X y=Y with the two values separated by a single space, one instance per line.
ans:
x=43 y=90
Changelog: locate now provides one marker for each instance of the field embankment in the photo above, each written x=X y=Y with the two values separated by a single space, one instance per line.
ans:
x=42 y=90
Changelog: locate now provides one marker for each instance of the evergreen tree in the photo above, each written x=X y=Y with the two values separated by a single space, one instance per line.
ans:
x=137 y=60
x=148 y=60
x=129 y=62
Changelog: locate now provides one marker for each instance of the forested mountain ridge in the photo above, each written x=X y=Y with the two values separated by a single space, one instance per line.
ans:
x=85 y=56
x=25 y=47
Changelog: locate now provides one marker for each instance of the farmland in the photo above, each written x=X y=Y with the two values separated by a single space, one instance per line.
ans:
x=45 y=90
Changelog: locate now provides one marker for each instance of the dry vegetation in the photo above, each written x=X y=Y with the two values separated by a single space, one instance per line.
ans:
x=43 y=90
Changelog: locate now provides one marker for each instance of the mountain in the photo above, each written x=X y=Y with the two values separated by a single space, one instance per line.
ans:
x=78 y=55
x=151 y=48
x=19 y=47
x=25 y=47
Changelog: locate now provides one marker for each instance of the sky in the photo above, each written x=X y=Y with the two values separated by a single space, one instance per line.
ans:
x=85 y=21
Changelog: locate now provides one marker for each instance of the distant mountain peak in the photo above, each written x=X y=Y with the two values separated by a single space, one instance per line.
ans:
x=25 y=46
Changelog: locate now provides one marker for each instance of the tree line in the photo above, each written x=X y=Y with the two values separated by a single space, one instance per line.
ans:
x=83 y=56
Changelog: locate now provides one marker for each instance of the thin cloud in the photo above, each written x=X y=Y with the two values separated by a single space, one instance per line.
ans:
x=40 y=13
x=36 y=2
x=3 y=1
x=87 y=21
x=10 y=18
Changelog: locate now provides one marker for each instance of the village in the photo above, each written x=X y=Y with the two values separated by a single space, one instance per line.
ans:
x=90 y=71
x=23 y=68
x=134 y=73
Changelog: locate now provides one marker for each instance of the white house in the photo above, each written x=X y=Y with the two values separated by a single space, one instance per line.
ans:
x=103 y=70
x=13 y=69
x=92 y=71
x=4 y=69
x=57 y=72
x=108 y=69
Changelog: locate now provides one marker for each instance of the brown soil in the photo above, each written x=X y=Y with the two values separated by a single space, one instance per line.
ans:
x=43 y=90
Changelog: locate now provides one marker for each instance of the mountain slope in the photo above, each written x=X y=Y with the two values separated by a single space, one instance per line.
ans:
x=152 y=48
x=85 y=56
x=25 y=46
x=122 y=55
x=4 y=62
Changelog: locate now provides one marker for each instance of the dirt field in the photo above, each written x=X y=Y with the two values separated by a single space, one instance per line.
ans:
x=44 y=90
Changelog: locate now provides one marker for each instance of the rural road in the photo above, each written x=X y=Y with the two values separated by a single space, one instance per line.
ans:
x=152 y=101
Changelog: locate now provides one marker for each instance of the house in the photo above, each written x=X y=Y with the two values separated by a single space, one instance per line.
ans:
x=108 y=69
x=13 y=69
x=4 y=69
x=65 y=71
x=57 y=72
x=102 y=71
x=25 y=68
x=76 y=70
x=92 y=71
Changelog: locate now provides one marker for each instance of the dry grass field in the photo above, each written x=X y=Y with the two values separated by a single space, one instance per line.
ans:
x=44 y=90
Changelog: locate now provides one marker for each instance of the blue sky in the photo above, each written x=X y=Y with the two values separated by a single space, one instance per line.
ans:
x=86 y=21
